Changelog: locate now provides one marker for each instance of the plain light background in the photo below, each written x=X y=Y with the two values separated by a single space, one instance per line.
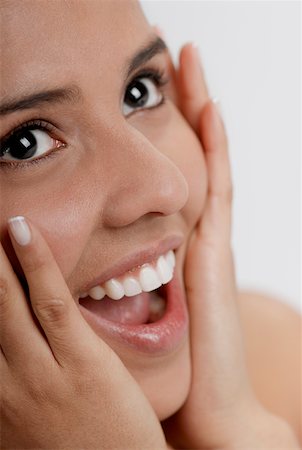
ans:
x=250 y=51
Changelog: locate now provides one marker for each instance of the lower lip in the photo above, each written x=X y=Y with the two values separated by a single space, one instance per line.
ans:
x=159 y=337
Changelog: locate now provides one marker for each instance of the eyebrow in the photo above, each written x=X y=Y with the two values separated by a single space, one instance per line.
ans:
x=72 y=94
x=143 y=55
x=67 y=94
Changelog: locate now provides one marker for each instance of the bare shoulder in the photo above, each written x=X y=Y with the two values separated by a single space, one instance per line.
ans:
x=272 y=336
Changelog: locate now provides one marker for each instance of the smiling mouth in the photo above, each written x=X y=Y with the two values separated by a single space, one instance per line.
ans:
x=141 y=302
x=137 y=297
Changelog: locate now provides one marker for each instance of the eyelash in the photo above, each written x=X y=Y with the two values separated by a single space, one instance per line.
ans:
x=156 y=75
x=29 y=125
x=153 y=74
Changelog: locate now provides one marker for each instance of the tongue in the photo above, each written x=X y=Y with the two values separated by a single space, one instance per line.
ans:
x=129 y=310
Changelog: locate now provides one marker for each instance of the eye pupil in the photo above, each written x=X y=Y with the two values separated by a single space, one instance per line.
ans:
x=136 y=94
x=23 y=145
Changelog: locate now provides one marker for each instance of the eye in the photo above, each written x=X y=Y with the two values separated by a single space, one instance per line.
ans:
x=142 y=93
x=28 y=144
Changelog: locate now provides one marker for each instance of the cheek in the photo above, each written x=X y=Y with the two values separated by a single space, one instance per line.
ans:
x=189 y=157
x=62 y=215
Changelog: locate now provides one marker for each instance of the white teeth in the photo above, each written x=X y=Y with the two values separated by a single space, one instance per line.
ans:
x=164 y=270
x=114 y=289
x=131 y=287
x=149 y=279
x=97 y=293
x=170 y=257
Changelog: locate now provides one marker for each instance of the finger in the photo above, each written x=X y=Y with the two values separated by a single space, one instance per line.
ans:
x=204 y=117
x=216 y=222
x=67 y=333
x=213 y=233
x=17 y=326
x=218 y=358
x=192 y=85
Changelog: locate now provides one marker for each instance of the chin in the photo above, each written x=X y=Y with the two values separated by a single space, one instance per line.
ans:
x=167 y=385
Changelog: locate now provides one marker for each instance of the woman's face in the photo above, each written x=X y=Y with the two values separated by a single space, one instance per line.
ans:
x=117 y=178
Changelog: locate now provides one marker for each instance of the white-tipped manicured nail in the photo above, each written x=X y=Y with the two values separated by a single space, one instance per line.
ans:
x=20 y=230
x=149 y=279
x=217 y=103
x=114 y=289
x=196 y=53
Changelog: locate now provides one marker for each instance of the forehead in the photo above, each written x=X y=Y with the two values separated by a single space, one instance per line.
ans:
x=43 y=39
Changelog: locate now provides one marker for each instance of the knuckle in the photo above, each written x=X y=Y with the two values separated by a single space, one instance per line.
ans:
x=36 y=386
x=52 y=310
x=39 y=392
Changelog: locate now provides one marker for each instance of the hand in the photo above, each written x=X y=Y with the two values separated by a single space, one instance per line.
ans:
x=221 y=411
x=62 y=386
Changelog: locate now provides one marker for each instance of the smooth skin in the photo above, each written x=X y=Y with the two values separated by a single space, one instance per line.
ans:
x=68 y=368
x=220 y=402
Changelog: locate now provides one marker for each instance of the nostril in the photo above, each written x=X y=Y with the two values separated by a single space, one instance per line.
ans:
x=148 y=182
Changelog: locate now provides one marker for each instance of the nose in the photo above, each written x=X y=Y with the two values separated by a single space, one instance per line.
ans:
x=144 y=181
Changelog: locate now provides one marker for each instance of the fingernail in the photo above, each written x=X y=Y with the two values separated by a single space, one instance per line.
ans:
x=195 y=49
x=217 y=104
x=20 y=230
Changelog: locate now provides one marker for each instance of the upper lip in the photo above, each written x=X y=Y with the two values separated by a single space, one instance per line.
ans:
x=146 y=254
